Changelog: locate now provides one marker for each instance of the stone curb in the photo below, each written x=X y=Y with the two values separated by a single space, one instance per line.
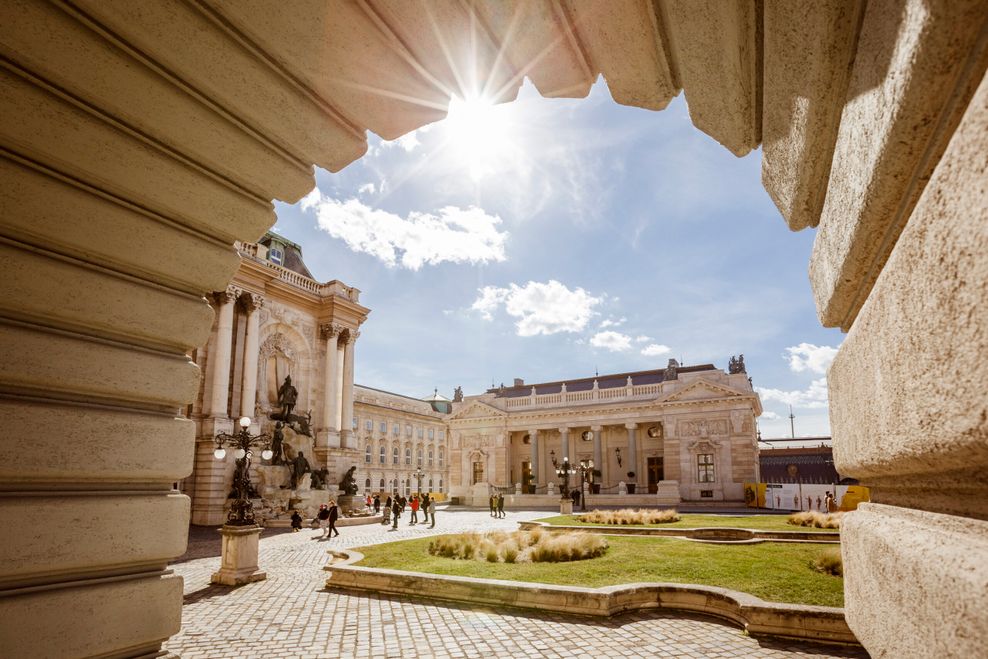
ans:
x=754 y=615
x=706 y=534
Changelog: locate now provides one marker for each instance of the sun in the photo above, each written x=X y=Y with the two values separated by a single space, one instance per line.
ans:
x=480 y=135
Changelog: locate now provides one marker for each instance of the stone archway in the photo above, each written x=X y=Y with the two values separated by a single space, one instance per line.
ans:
x=120 y=209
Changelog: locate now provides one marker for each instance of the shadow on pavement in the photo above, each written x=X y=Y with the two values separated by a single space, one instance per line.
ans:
x=206 y=542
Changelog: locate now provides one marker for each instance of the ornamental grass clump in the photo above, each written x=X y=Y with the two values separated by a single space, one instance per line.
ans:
x=829 y=562
x=521 y=546
x=631 y=516
x=816 y=519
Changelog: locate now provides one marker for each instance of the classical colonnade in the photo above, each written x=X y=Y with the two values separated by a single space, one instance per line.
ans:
x=542 y=468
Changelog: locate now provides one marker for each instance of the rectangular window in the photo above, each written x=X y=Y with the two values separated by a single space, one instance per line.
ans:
x=355 y=425
x=367 y=454
x=384 y=426
x=396 y=429
x=383 y=455
x=478 y=472
x=442 y=434
x=368 y=425
x=408 y=430
x=705 y=468
x=432 y=433
x=440 y=457
x=421 y=433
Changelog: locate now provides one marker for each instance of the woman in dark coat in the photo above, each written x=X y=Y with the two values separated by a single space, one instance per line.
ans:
x=334 y=514
x=296 y=522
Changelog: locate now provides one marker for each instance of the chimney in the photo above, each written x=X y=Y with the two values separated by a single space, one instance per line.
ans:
x=519 y=382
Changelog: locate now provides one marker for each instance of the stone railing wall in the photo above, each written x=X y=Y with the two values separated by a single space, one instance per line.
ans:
x=582 y=397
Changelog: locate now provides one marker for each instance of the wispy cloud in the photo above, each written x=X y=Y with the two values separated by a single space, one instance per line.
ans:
x=808 y=357
x=610 y=340
x=770 y=415
x=813 y=397
x=655 y=350
x=541 y=308
x=457 y=235
x=610 y=322
x=366 y=188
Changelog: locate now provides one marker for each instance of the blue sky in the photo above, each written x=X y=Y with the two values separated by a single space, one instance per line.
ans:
x=547 y=238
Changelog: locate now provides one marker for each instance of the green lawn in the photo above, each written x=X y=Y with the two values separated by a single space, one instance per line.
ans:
x=688 y=521
x=776 y=572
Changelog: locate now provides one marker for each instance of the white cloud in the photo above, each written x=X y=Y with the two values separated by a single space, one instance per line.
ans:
x=610 y=322
x=813 y=397
x=655 y=350
x=770 y=415
x=366 y=188
x=457 y=235
x=808 y=357
x=641 y=338
x=541 y=308
x=613 y=341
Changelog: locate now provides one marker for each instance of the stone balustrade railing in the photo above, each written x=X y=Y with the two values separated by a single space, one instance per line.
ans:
x=332 y=288
x=583 y=397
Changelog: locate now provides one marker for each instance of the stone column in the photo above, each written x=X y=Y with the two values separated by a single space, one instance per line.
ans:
x=220 y=359
x=567 y=449
x=597 y=452
x=328 y=433
x=346 y=422
x=631 y=461
x=533 y=435
x=248 y=392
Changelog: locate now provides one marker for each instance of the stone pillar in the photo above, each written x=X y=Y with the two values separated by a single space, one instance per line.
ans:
x=328 y=435
x=631 y=461
x=533 y=436
x=346 y=422
x=248 y=392
x=597 y=450
x=220 y=359
x=239 y=556
x=567 y=450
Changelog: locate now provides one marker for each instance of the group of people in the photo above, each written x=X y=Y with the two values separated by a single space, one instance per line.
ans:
x=497 y=505
x=325 y=518
x=395 y=505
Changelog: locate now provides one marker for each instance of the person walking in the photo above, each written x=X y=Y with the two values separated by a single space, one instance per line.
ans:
x=387 y=513
x=414 y=503
x=395 y=513
x=296 y=522
x=377 y=504
x=425 y=509
x=500 y=504
x=323 y=517
x=403 y=501
x=493 y=504
x=334 y=514
x=432 y=511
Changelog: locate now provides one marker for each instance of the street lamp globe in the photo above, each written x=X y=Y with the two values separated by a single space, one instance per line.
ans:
x=267 y=454
x=219 y=453
x=240 y=453
x=245 y=422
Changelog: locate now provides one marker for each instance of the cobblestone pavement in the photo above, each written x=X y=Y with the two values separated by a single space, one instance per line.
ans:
x=291 y=614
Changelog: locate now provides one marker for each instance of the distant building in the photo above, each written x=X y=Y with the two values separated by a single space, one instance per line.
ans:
x=782 y=463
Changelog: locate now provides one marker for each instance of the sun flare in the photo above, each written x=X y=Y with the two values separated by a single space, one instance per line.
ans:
x=480 y=134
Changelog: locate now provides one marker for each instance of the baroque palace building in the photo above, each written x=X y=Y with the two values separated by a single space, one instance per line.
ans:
x=660 y=436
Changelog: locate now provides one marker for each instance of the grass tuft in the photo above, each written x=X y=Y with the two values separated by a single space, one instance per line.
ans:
x=829 y=562
x=815 y=519
x=630 y=516
x=521 y=546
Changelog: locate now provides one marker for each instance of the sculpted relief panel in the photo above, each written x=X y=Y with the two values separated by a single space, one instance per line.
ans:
x=703 y=428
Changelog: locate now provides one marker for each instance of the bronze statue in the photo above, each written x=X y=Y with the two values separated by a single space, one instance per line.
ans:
x=348 y=485
x=672 y=370
x=319 y=478
x=300 y=467
x=458 y=395
x=277 y=454
x=736 y=365
x=287 y=396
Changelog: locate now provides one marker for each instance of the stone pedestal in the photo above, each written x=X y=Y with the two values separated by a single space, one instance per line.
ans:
x=239 y=556
x=348 y=503
x=566 y=506
x=518 y=488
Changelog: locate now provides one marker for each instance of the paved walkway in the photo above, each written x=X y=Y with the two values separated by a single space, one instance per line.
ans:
x=291 y=614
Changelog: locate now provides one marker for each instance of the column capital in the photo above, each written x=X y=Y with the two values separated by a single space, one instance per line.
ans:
x=250 y=301
x=630 y=426
x=533 y=432
x=596 y=428
x=564 y=430
x=219 y=298
x=329 y=330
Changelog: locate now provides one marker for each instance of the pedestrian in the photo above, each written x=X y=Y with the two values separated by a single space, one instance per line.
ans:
x=425 y=509
x=414 y=503
x=404 y=502
x=432 y=511
x=334 y=514
x=828 y=501
x=493 y=504
x=369 y=501
x=296 y=522
x=387 y=512
x=500 y=504
x=377 y=504
x=323 y=517
x=395 y=513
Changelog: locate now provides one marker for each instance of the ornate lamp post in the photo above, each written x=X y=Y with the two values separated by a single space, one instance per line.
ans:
x=564 y=471
x=418 y=477
x=586 y=473
x=241 y=532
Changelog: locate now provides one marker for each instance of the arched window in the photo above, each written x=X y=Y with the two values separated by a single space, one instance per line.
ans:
x=440 y=456
x=440 y=485
x=383 y=454
x=408 y=487
x=367 y=453
x=430 y=456
x=408 y=456
x=382 y=483
x=430 y=484
x=418 y=456
x=394 y=455
x=367 y=484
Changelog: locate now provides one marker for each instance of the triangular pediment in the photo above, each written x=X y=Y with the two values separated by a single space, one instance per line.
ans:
x=702 y=390
x=478 y=410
